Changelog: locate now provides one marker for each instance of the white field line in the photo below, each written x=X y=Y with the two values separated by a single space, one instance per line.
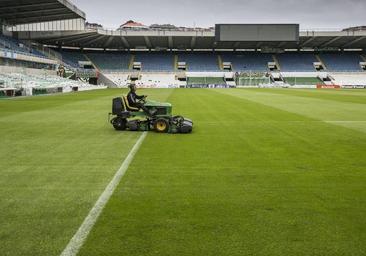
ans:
x=80 y=236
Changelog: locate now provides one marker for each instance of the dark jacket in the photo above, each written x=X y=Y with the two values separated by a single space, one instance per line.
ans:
x=132 y=98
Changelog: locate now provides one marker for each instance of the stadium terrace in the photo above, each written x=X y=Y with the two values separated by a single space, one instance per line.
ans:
x=232 y=140
x=63 y=43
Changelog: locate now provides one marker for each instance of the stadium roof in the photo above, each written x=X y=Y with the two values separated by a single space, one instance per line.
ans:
x=14 y=12
x=175 y=39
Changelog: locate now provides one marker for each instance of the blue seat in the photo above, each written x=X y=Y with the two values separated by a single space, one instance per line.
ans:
x=248 y=61
x=200 y=61
x=297 y=62
x=155 y=61
x=347 y=61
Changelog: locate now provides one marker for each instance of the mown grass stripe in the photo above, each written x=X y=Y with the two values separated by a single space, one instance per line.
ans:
x=329 y=111
x=80 y=236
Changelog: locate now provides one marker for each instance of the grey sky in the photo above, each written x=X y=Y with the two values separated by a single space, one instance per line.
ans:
x=206 y=13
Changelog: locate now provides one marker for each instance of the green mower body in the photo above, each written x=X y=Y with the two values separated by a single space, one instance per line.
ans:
x=129 y=118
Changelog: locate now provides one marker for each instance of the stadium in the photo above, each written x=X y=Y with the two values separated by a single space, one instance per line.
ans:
x=273 y=163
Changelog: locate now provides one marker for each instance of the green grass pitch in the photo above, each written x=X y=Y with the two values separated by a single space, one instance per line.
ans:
x=265 y=172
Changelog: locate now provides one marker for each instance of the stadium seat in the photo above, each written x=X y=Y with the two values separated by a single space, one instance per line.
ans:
x=200 y=61
x=297 y=62
x=17 y=46
x=110 y=61
x=158 y=62
x=247 y=61
x=72 y=58
x=342 y=62
x=17 y=80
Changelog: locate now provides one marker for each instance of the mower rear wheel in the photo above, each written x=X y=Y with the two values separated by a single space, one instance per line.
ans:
x=119 y=123
x=161 y=125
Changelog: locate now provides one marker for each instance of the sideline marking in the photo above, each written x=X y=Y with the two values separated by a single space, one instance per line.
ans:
x=80 y=236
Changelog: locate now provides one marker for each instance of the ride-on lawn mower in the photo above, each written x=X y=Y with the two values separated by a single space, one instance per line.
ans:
x=160 y=119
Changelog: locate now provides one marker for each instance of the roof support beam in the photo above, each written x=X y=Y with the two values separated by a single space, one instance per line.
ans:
x=147 y=41
x=281 y=44
x=354 y=41
x=170 y=42
x=193 y=42
x=91 y=42
x=109 y=41
x=9 y=7
x=65 y=38
x=236 y=45
x=125 y=42
x=308 y=41
x=16 y=12
x=49 y=36
x=331 y=41
x=83 y=38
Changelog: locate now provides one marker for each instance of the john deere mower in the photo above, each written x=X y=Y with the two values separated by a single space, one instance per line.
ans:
x=126 y=117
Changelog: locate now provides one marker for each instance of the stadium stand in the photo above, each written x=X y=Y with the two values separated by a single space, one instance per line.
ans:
x=158 y=62
x=24 y=64
x=294 y=62
x=347 y=61
x=248 y=61
x=72 y=58
x=154 y=58
x=200 y=61
x=29 y=67
x=39 y=83
x=110 y=61
x=12 y=44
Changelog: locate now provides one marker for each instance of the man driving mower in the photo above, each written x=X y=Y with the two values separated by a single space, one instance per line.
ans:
x=138 y=101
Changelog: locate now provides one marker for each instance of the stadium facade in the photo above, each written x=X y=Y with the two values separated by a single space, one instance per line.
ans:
x=52 y=37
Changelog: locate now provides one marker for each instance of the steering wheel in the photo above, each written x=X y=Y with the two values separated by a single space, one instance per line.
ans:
x=143 y=100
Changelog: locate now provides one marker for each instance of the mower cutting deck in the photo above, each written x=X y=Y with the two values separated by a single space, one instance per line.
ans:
x=161 y=119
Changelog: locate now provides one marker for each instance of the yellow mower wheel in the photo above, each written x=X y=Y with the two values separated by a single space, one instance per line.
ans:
x=161 y=125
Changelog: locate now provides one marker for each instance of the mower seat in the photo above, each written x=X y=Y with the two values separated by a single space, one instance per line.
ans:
x=127 y=105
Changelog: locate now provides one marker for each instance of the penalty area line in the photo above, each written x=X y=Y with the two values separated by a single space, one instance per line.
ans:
x=80 y=236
